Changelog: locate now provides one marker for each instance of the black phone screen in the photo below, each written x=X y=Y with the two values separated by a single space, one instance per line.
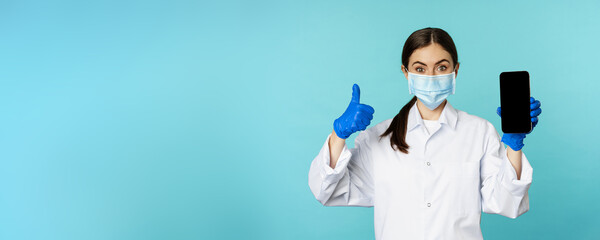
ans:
x=514 y=102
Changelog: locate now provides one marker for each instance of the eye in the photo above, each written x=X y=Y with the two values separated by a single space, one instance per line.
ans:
x=420 y=69
x=442 y=68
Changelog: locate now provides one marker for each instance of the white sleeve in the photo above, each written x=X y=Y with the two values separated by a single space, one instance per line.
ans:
x=350 y=183
x=501 y=192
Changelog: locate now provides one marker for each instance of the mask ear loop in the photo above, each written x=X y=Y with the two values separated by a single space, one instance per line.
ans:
x=409 y=82
x=454 y=80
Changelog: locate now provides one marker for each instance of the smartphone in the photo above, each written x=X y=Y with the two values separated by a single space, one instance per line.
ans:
x=514 y=102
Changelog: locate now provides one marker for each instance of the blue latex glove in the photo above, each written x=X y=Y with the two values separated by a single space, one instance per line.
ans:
x=356 y=117
x=515 y=140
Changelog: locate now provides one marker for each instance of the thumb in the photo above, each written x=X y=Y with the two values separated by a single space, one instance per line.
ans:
x=355 y=93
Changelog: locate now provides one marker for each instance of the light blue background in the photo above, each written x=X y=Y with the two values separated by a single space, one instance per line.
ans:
x=199 y=120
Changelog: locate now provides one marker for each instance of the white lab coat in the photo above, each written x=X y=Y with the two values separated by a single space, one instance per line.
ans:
x=436 y=191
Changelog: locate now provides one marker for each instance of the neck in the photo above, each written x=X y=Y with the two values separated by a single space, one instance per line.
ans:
x=428 y=114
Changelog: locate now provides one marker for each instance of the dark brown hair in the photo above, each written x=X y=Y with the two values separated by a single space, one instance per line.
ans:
x=418 y=39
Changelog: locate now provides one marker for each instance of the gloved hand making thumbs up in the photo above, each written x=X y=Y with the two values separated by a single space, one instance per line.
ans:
x=356 y=117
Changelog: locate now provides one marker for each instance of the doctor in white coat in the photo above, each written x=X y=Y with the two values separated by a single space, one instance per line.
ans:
x=431 y=170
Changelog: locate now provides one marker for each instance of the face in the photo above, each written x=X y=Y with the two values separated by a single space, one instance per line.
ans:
x=430 y=60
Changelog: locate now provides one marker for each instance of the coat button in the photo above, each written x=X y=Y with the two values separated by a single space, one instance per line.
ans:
x=428 y=164
x=428 y=204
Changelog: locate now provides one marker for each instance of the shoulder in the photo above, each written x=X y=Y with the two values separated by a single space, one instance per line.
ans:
x=381 y=126
x=466 y=120
x=373 y=132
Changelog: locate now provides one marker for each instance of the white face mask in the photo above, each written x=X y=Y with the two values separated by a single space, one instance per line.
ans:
x=431 y=90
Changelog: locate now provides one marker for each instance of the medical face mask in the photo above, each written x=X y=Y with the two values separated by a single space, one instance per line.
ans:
x=431 y=90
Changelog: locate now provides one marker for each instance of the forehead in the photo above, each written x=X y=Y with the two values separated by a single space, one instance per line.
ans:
x=430 y=54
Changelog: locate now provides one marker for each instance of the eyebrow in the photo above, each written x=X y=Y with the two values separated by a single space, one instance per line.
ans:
x=435 y=63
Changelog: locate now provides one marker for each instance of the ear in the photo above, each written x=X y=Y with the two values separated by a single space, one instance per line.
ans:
x=405 y=72
x=456 y=70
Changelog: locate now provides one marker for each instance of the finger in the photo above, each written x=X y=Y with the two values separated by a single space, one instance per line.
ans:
x=499 y=111
x=534 y=121
x=365 y=120
x=354 y=127
x=364 y=114
x=535 y=105
x=362 y=121
x=367 y=108
x=355 y=93
x=531 y=99
x=361 y=126
x=536 y=112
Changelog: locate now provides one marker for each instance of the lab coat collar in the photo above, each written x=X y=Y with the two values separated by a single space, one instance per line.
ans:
x=449 y=116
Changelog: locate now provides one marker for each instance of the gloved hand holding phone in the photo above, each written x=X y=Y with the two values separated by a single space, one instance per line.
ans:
x=515 y=140
x=356 y=117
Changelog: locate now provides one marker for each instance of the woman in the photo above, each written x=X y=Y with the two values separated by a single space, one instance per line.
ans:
x=432 y=169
